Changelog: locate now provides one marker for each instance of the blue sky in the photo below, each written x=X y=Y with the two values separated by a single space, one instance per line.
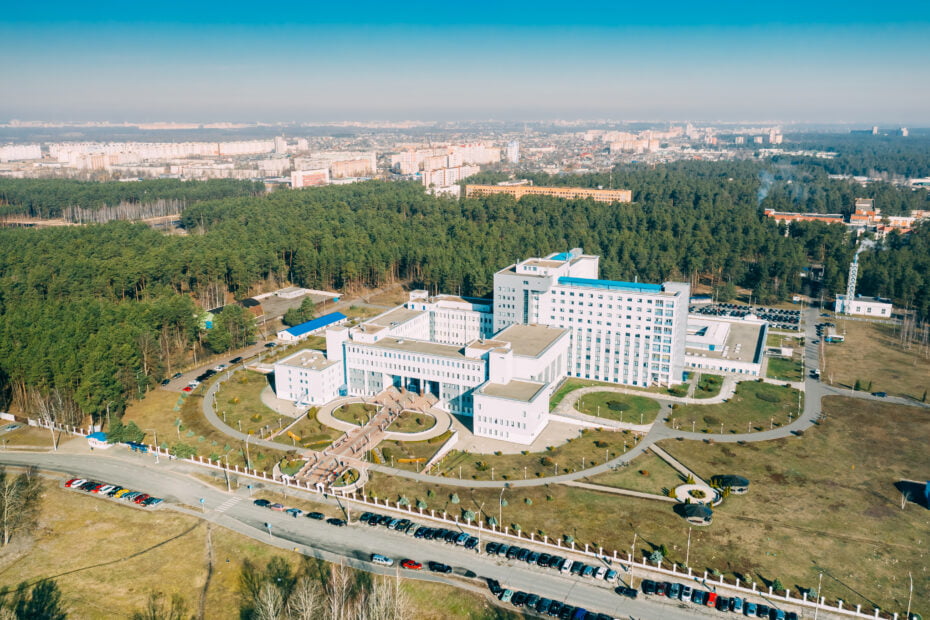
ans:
x=816 y=61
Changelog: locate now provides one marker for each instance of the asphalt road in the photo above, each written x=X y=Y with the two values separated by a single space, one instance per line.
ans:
x=352 y=544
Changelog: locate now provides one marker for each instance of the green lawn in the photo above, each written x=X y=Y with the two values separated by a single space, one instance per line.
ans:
x=646 y=473
x=708 y=386
x=570 y=385
x=756 y=406
x=412 y=422
x=785 y=370
x=616 y=406
x=589 y=448
x=410 y=455
x=355 y=413
x=239 y=404
x=312 y=433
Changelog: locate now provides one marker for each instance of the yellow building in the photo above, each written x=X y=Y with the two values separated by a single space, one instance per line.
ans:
x=568 y=193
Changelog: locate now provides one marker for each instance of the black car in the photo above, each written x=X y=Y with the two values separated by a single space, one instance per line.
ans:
x=503 y=550
x=420 y=531
x=365 y=516
x=556 y=561
x=519 y=598
x=555 y=607
x=649 y=586
x=543 y=560
x=542 y=607
x=336 y=522
x=439 y=567
x=491 y=548
x=762 y=611
x=269 y=345
x=264 y=503
x=566 y=612
x=385 y=519
x=471 y=543
x=723 y=603
x=627 y=592
x=791 y=616
x=319 y=516
x=165 y=381
x=512 y=552
x=577 y=568
x=532 y=600
x=176 y=375
x=493 y=584
x=235 y=360
x=532 y=558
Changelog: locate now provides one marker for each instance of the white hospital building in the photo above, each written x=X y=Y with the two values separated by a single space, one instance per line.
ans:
x=499 y=362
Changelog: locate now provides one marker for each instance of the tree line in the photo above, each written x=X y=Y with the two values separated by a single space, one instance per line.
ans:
x=53 y=198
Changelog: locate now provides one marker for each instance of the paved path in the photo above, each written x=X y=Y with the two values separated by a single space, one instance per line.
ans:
x=616 y=491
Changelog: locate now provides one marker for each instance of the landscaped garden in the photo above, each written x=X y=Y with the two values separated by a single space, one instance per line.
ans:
x=618 y=406
x=412 y=422
x=589 y=448
x=756 y=406
x=355 y=413
x=708 y=386
x=308 y=432
x=785 y=369
x=409 y=455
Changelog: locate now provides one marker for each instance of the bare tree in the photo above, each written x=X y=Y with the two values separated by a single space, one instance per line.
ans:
x=306 y=601
x=20 y=499
x=339 y=593
x=54 y=408
x=269 y=605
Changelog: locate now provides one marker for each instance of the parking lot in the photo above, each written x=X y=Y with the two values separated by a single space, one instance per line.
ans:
x=777 y=318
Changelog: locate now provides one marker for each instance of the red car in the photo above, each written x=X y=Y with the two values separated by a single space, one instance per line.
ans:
x=75 y=482
x=141 y=498
x=711 y=599
x=186 y=388
x=277 y=507
x=410 y=564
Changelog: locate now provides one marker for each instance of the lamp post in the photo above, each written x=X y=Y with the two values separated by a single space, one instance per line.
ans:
x=155 y=433
x=910 y=594
x=248 y=461
x=688 y=552
x=500 y=507
x=819 y=583
x=226 y=456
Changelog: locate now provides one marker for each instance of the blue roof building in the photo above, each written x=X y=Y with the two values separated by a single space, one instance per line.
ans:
x=299 y=332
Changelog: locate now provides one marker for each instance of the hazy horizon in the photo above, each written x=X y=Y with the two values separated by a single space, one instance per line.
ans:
x=836 y=63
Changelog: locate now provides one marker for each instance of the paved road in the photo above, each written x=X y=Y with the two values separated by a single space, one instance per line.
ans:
x=353 y=544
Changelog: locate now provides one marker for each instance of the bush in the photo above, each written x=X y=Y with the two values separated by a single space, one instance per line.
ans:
x=546 y=461
x=616 y=405
x=256 y=417
x=768 y=397
x=643 y=472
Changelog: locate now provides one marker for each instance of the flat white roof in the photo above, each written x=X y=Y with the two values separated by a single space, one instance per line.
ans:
x=530 y=340
x=524 y=391
x=308 y=358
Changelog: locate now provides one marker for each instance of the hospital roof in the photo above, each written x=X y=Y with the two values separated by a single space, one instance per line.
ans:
x=418 y=346
x=633 y=287
x=314 y=360
x=530 y=340
x=394 y=317
x=524 y=391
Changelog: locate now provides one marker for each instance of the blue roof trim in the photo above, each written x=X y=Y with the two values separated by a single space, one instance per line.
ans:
x=560 y=256
x=317 y=323
x=638 y=287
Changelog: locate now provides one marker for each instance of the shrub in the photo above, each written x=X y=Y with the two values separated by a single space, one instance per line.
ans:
x=643 y=472
x=546 y=461
x=616 y=405
x=768 y=397
x=528 y=501
x=256 y=417
x=481 y=466
x=498 y=453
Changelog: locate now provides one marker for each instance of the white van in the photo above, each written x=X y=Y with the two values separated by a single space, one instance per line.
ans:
x=566 y=566
x=377 y=558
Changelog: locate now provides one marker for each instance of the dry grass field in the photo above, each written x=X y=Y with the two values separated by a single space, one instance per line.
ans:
x=873 y=353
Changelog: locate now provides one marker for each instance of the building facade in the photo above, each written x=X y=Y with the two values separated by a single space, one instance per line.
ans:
x=622 y=332
x=567 y=193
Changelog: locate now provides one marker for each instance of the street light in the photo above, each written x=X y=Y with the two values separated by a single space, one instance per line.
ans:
x=910 y=594
x=500 y=506
x=819 y=583
x=155 y=432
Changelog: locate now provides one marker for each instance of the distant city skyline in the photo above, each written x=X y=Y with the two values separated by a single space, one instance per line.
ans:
x=831 y=62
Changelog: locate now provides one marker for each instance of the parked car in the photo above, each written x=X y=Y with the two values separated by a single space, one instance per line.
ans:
x=294 y=512
x=777 y=614
x=187 y=388
x=75 y=482
x=383 y=560
x=673 y=590
x=119 y=494
x=152 y=501
x=176 y=375
x=601 y=571
x=276 y=507
x=411 y=565
x=880 y=394
x=532 y=600
x=723 y=603
x=555 y=607
x=141 y=498
x=698 y=597
x=115 y=491
x=542 y=607
x=471 y=543
x=610 y=576
x=749 y=609
x=532 y=558
x=263 y=503
x=439 y=567
x=686 y=593
x=736 y=604
x=711 y=599
x=491 y=548
x=627 y=592
x=493 y=584
x=566 y=567
x=131 y=496
x=762 y=611
x=336 y=522
x=165 y=381
x=506 y=595
x=270 y=345
x=588 y=571
x=649 y=586
x=518 y=599
x=556 y=561
x=235 y=360
x=661 y=587
x=791 y=616
x=318 y=516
